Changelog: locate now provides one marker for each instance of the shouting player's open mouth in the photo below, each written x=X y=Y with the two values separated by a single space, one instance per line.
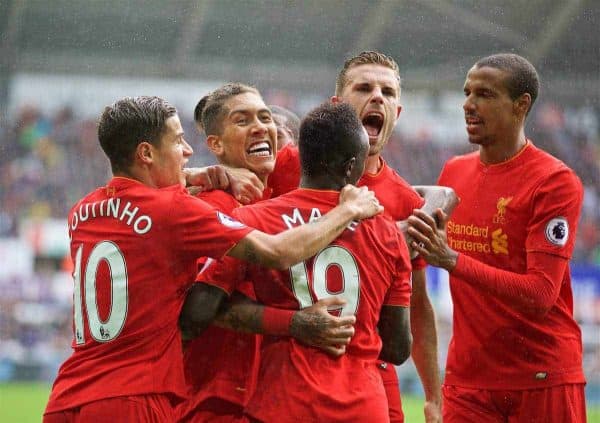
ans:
x=373 y=122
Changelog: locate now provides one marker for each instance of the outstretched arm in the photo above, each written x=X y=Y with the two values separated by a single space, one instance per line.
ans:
x=313 y=325
x=242 y=183
x=394 y=330
x=534 y=292
x=294 y=245
x=425 y=343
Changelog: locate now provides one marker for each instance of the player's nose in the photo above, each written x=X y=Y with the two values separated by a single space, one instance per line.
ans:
x=377 y=96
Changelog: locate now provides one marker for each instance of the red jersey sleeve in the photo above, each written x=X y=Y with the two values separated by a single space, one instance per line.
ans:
x=401 y=287
x=226 y=273
x=555 y=214
x=418 y=263
x=220 y=200
x=202 y=230
x=286 y=174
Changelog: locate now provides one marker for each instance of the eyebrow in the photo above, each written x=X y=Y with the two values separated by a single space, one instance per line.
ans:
x=249 y=111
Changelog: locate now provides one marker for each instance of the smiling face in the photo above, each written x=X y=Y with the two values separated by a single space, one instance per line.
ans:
x=491 y=115
x=248 y=136
x=170 y=155
x=374 y=92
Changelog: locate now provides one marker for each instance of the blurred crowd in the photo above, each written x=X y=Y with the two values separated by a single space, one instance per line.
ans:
x=47 y=162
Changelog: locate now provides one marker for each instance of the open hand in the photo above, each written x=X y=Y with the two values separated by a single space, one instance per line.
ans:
x=316 y=327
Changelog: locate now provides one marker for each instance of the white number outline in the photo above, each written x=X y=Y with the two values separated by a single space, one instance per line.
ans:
x=109 y=329
x=333 y=255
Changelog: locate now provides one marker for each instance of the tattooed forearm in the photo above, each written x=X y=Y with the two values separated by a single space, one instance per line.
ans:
x=250 y=253
x=309 y=327
x=240 y=317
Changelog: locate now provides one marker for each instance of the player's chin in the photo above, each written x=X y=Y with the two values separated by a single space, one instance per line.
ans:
x=376 y=147
x=261 y=166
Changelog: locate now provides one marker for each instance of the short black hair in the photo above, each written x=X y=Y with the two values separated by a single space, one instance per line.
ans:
x=210 y=109
x=128 y=122
x=523 y=78
x=329 y=136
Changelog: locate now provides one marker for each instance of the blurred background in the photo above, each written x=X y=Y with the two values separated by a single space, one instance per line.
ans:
x=62 y=61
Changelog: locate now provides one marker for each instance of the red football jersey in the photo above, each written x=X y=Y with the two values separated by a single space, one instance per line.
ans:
x=213 y=368
x=286 y=173
x=369 y=265
x=397 y=197
x=529 y=204
x=134 y=249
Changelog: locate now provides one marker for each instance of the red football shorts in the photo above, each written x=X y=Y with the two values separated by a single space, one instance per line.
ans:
x=557 y=404
x=153 y=408
x=392 y=391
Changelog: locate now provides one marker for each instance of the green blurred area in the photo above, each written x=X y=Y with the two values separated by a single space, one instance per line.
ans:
x=25 y=402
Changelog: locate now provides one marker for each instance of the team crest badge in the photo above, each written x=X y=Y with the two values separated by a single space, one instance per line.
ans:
x=557 y=231
x=229 y=222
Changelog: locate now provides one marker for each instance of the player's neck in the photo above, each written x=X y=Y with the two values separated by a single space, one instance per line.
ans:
x=321 y=183
x=502 y=150
x=137 y=175
x=373 y=164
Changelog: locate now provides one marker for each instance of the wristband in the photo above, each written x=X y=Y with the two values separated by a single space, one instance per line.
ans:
x=276 y=321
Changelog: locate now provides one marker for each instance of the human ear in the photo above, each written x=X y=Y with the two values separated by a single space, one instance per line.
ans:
x=215 y=144
x=145 y=152
x=522 y=104
x=350 y=166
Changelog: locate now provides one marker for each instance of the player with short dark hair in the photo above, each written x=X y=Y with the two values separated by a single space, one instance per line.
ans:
x=370 y=83
x=221 y=364
x=516 y=352
x=368 y=265
x=134 y=244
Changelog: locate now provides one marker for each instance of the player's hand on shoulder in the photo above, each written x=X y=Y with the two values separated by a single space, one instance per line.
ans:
x=316 y=327
x=207 y=178
x=361 y=201
x=244 y=185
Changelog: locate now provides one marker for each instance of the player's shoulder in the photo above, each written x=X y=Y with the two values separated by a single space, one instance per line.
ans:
x=221 y=200
x=549 y=170
x=260 y=208
x=386 y=176
x=383 y=235
x=546 y=162
x=177 y=201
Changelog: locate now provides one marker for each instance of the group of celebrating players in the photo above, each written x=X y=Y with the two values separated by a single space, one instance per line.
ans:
x=286 y=283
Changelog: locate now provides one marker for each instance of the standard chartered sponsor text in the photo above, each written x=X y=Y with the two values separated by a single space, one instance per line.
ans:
x=479 y=242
